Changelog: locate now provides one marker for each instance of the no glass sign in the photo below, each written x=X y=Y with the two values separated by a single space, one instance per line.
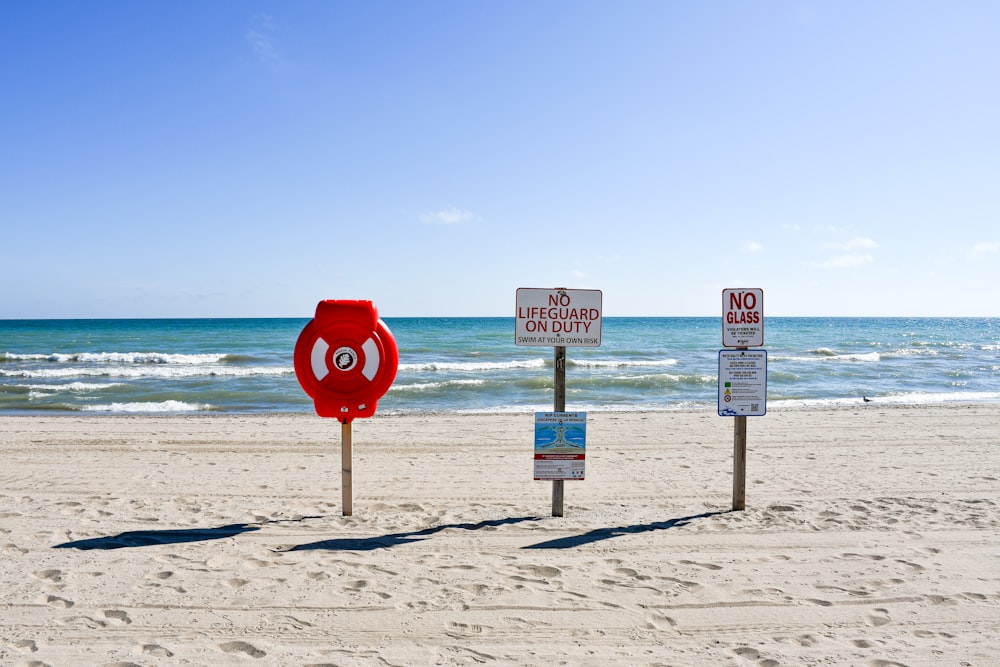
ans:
x=742 y=318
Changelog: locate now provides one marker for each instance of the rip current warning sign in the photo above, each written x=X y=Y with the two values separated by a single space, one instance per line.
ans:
x=560 y=445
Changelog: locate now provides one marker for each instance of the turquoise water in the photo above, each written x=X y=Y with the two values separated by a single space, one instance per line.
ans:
x=472 y=365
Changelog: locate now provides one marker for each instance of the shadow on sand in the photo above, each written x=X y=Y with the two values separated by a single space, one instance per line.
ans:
x=599 y=534
x=398 y=539
x=149 y=538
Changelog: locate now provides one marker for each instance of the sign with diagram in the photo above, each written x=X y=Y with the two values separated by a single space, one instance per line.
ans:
x=560 y=445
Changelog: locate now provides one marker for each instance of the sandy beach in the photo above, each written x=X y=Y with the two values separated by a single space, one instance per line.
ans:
x=871 y=536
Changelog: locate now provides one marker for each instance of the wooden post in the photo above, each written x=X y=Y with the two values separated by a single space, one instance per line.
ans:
x=739 y=462
x=558 y=405
x=346 y=467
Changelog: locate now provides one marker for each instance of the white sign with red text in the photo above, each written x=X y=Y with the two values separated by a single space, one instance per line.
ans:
x=743 y=317
x=558 y=317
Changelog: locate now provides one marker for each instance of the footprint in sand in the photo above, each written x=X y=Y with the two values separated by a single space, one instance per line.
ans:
x=56 y=601
x=157 y=651
x=707 y=566
x=747 y=653
x=915 y=567
x=55 y=576
x=629 y=572
x=458 y=630
x=521 y=623
x=242 y=647
x=477 y=590
x=656 y=621
x=117 y=616
x=800 y=640
x=819 y=601
x=545 y=571
x=289 y=622
x=878 y=617
x=355 y=585
x=23 y=645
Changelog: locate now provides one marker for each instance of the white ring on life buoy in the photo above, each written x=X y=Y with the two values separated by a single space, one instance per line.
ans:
x=371 y=359
x=318 y=358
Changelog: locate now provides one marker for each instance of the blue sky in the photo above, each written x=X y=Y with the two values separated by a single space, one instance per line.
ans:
x=241 y=158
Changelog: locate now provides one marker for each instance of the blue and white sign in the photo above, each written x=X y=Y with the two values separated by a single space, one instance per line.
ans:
x=560 y=445
x=742 y=383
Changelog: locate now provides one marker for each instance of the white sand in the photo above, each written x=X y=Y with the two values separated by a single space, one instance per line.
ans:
x=871 y=537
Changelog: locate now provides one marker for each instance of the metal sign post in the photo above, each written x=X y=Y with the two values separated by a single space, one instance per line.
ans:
x=346 y=468
x=740 y=463
x=558 y=405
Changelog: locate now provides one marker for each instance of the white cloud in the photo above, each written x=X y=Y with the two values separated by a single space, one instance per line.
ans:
x=983 y=250
x=852 y=254
x=860 y=242
x=263 y=47
x=753 y=246
x=857 y=243
x=848 y=261
x=830 y=229
x=261 y=40
x=446 y=216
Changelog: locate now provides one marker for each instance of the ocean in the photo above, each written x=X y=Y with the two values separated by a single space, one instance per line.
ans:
x=470 y=365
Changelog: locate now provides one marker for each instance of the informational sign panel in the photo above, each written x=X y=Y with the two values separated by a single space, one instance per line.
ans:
x=558 y=317
x=560 y=445
x=742 y=383
x=742 y=318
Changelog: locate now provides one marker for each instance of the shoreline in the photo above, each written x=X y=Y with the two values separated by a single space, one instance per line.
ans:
x=789 y=405
x=871 y=535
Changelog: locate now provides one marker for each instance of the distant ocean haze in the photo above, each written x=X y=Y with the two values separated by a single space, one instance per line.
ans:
x=473 y=365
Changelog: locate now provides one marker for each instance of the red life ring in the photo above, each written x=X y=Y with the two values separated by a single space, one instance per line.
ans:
x=346 y=359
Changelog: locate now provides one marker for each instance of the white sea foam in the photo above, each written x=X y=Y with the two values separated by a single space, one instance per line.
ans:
x=161 y=406
x=430 y=386
x=866 y=357
x=621 y=363
x=73 y=386
x=163 y=372
x=473 y=365
x=912 y=398
x=119 y=358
